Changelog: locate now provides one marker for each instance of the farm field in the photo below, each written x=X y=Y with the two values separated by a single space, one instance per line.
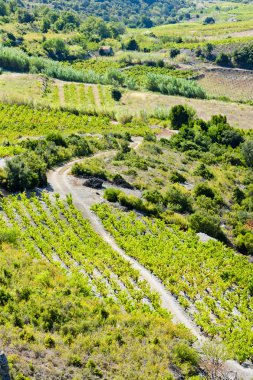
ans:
x=59 y=233
x=85 y=97
x=209 y=280
x=126 y=189
x=57 y=327
x=227 y=83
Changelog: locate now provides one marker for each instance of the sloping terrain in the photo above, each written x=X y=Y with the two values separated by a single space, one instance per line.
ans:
x=120 y=10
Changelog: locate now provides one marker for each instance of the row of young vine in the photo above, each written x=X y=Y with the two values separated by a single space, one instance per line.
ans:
x=211 y=281
x=23 y=120
x=56 y=230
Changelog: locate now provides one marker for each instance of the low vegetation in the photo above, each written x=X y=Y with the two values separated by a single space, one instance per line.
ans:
x=209 y=280
x=152 y=100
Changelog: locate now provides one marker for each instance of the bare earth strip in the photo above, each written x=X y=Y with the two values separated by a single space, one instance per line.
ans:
x=96 y=96
x=61 y=182
x=60 y=85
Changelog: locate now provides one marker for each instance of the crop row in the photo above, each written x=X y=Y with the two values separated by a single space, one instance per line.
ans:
x=211 y=281
x=23 y=120
x=57 y=231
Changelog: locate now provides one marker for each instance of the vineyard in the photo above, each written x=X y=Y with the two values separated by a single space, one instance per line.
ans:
x=58 y=232
x=22 y=120
x=210 y=281
x=87 y=97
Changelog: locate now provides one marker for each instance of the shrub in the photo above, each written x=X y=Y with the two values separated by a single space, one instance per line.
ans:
x=171 y=218
x=132 y=44
x=57 y=138
x=209 y=20
x=186 y=358
x=204 y=189
x=49 y=342
x=89 y=170
x=174 y=52
x=177 y=177
x=223 y=59
x=244 y=242
x=116 y=95
x=130 y=201
x=180 y=115
x=153 y=196
x=75 y=361
x=25 y=172
x=202 y=171
x=9 y=235
x=178 y=199
x=238 y=195
x=174 y=86
x=247 y=153
x=243 y=57
x=4 y=297
x=112 y=194
x=201 y=221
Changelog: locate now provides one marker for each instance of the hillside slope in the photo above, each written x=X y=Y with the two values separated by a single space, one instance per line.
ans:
x=121 y=10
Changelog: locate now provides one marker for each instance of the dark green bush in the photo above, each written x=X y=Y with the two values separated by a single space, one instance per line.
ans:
x=204 y=189
x=201 y=221
x=116 y=94
x=178 y=199
x=180 y=115
x=177 y=177
x=203 y=171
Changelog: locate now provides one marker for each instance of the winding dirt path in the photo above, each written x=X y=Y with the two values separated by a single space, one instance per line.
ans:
x=61 y=182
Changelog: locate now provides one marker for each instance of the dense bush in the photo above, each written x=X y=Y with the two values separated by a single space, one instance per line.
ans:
x=86 y=170
x=178 y=199
x=244 y=242
x=223 y=59
x=200 y=221
x=8 y=235
x=203 y=171
x=247 y=152
x=177 y=177
x=174 y=86
x=180 y=115
x=153 y=196
x=204 y=189
x=243 y=57
x=116 y=95
x=16 y=60
x=130 y=201
x=25 y=172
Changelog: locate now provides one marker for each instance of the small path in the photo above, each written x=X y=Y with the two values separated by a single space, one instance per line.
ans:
x=60 y=181
x=96 y=96
x=60 y=86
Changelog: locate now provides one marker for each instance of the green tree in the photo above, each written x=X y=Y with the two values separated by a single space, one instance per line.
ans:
x=180 y=115
x=56 y=49
x=132 y=44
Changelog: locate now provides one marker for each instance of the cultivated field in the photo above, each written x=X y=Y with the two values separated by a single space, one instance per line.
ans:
x=36 y=89
x=228 y=83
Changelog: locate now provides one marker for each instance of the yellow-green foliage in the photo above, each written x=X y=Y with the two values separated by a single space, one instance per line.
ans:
x=51 y=322
x=211 y=281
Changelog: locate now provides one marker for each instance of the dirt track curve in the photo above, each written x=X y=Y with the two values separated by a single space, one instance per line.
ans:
x=61 y=182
